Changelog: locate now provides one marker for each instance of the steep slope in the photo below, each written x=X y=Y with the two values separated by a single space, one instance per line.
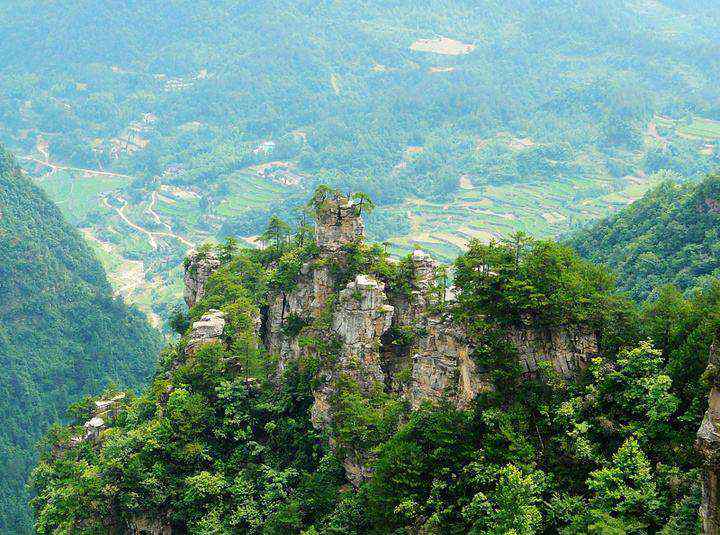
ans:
x=670 y=236
x=62 y=334
x=320 y=387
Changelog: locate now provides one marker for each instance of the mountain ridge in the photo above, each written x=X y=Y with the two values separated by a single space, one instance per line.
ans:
x=62 y=333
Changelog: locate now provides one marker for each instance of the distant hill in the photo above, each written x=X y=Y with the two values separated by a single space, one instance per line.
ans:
x=671 y=235
x=62 y=333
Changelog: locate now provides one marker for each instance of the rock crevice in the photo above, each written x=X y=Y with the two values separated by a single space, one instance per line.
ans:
x=708 y=446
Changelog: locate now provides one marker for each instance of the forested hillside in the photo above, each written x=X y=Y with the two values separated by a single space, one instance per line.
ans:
x=670 y=236
x=156 y=125
x=322 y=388
x=62 y=334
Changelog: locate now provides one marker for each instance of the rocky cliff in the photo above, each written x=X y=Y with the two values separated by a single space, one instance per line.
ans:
x=358 y=317
x=708 y=445
x=198 y=268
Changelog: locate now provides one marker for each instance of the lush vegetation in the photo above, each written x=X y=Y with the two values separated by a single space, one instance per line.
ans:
x=542 y=114
x=62 y=333
x=218 y=444
x=670 y=236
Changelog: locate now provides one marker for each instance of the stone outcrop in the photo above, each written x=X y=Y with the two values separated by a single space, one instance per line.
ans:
x=708 y=446
x=338 y=223
x=147 y=525
x=109 y=408
x=568 y=349
x=392 y=340
x=208 y=329
x=104 y=410
x=305 y=303
x=198 y=268
x=442 y=366
x=361 y=317
x=93 y=427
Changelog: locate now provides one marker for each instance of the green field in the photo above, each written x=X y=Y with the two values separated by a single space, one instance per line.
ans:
x=77 y=195
x=701 y=128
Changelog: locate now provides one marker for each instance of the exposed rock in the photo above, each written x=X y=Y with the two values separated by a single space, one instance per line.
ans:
x=568 y=349
x=442 y=366
x=361 y=317
x=357 y=469
x=304 y=303
x=208 y=329
x=198 y=268
x=425 y=270
x=708 y=445
x=147 y=525
x=339 y=223
x=439 y=357
x=105 y=409
x=93 y=427
x=109 y=408
x=427 y=357
x=411 y=308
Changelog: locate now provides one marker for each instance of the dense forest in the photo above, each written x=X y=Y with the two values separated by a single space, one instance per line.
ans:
x=62 y=333
x=670 y=236
x=463 y=119
x=220 y=443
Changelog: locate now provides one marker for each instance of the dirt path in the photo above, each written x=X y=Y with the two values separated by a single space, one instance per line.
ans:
x=151 y=238
x=151 y=210
x=151 y=235
x=54 y=167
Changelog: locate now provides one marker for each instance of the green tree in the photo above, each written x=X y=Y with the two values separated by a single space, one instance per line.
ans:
x=276 y=233
x=626 y=487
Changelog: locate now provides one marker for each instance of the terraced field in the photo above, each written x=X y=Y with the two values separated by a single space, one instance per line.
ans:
x=494 y=212
x=696 y=128
x=249 y=191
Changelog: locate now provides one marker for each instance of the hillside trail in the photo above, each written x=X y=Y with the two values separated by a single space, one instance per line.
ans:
x=87 y=172
x=159 y=220
x=150 y=234
x=151 y=210
x=653 y=133
x=120 y=211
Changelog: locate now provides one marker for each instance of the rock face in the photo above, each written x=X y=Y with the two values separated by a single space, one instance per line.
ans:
x=569 y=350
x=339 y=223
x=104 y=410
x=142 y=525
x=708 y=445
x=198 y=268
x=361 y=317
x=304 y=304
x=442 y=366
x=208 y=329
x=439 y=356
